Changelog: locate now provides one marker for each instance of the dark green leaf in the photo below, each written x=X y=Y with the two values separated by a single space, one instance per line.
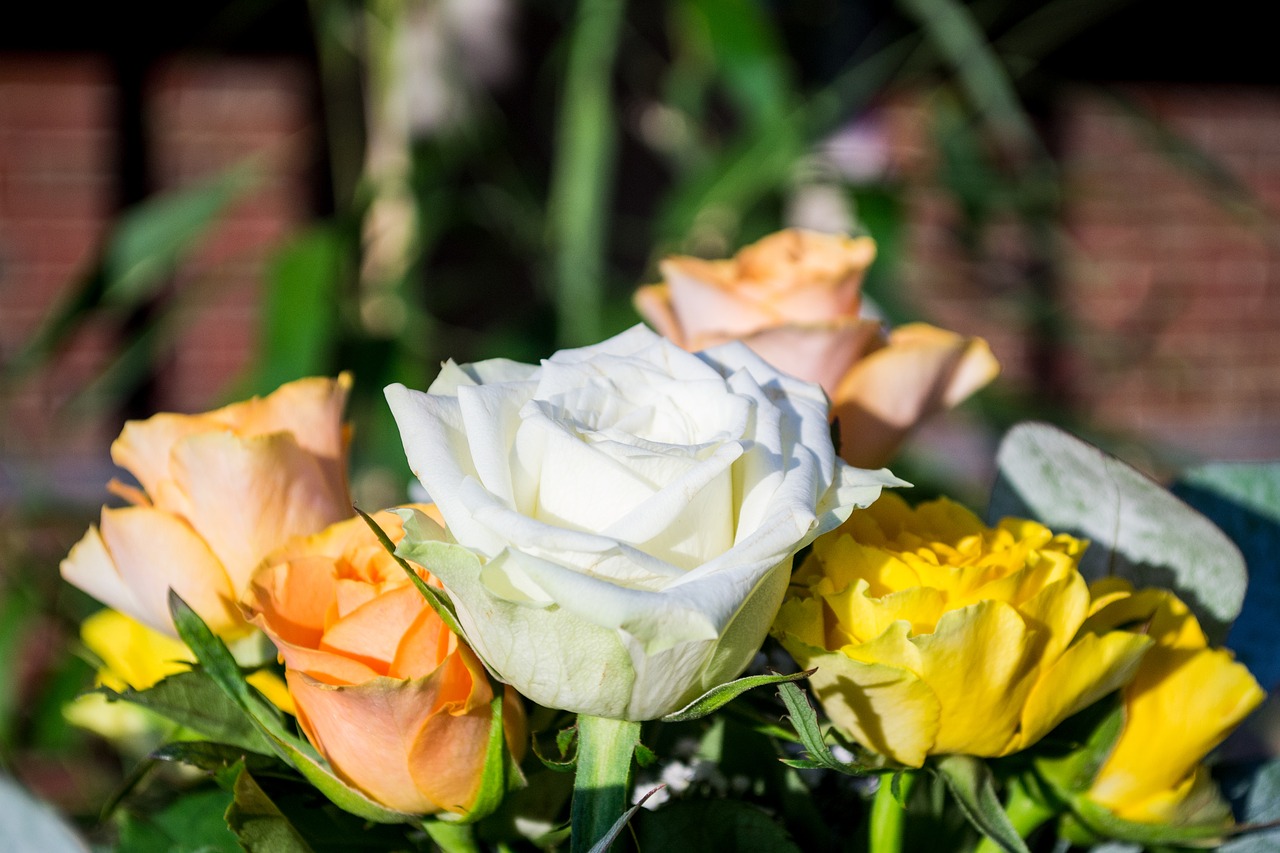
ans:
x=213 y=757
x=193 y=700
x=718 y=696
x=712 y=826
x=970 y=782
x=191 y=824
x=805 y=720
x=1139 y=531
x=258 y=824
x=605 y=842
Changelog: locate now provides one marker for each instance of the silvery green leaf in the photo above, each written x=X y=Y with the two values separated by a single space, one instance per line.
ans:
x=1139 y=531
x=1243 y=498
x=31 y=825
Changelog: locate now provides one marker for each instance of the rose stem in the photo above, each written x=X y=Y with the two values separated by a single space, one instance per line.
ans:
x=603 y=778
x=887 y=813
x=451 y=837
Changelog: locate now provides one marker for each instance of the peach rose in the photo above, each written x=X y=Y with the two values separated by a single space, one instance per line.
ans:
x=219 y=491
x=395 y=701
x=794 y=298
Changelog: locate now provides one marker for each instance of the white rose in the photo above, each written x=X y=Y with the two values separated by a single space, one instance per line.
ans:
x=635 y=509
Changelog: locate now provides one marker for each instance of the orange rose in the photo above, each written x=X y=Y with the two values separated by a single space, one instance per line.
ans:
x=220 y=491
x=395 y=701
x=794 y=298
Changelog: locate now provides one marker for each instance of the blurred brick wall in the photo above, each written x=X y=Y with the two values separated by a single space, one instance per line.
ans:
x=1169 y=300
x=1176 y=297
x=57 y=171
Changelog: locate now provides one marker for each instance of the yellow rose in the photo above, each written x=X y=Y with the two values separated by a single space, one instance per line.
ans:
x=137 y=657
x=794 y=298
x=395 y=701
x=1183 y=701
x=219 y=491
x=934 y=634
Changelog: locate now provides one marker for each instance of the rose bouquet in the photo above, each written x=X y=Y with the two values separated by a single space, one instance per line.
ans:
x=649 y=603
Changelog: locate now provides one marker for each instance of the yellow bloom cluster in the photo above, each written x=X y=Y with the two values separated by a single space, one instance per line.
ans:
x=934 y=634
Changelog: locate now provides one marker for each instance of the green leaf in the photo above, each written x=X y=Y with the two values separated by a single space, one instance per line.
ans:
x=300 y=317
x=1243 y=499
x=951 y=27
x=970 y=782
x=1139 y=531
x=606 y=840
x=438 y=599
x=212 y=757
x=221 y=666
x=712 y=826
x=258 y=824
x=718 y=696
x=805 y=720
x=1259 y=810
x=193 y=700
x=193 y=823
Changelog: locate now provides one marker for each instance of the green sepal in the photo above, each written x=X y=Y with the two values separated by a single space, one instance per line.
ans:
x=1089 y=738
x=193 y=700
x=970 y=781
x=1206 y=824
x=565 y=738
x=805 y=720
x=437 y=599
x=719 y=696
x=222 y=668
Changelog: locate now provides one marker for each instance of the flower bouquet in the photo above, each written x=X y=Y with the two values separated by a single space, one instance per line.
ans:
x=660 y=592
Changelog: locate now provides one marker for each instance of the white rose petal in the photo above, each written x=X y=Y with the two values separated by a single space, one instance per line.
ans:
x=632 y=510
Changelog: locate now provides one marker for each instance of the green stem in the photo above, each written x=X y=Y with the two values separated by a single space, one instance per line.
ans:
x=1025 y=812
x=602 y=782
x=452 y=837
x=887 y=813
x=583 y=172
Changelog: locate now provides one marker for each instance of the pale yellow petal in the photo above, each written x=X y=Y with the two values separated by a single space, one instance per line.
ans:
x=820 y=353
x=154 y=552
x=653 y=303
x=922 y=370
x=248 y=496
x=89 y=567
